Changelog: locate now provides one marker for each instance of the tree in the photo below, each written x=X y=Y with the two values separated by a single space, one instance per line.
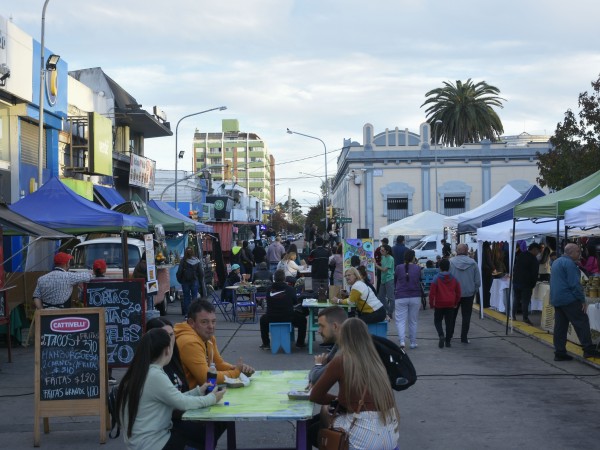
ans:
x=465 y=110
x=575 y=151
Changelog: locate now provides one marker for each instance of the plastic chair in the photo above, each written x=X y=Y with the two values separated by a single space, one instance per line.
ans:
x=378 y=329
x=282 y=335
x=224 y=306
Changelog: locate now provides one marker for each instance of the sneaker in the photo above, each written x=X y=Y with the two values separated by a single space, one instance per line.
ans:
x=591 y=353
x=448 y=344
x=413 y=345
x=562 y=357
x=402 y=345
x=441 y=343
x=465 y=341
x=112 y=381
x=265 y=347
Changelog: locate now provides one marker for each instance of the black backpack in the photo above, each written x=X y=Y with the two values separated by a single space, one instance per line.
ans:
x=400 y=370
x=186 y=272
x=111 y=399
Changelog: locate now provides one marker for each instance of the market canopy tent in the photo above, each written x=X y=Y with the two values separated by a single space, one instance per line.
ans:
x=170 y=224
x=554 y=205
x=56 y=206
x=586 y=215
x=503 y=197
x=168 y=209
x=499 y=215
x=14 y=224
x=422 y=224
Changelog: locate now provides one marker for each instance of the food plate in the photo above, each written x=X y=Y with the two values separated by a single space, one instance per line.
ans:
x=239 y=382
x=298 y=395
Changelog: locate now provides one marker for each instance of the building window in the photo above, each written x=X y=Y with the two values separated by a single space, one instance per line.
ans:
x=397 y=209
x=454 y=205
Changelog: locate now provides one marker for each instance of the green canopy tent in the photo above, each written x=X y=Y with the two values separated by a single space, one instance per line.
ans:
x=554 y=205
x=137 y=207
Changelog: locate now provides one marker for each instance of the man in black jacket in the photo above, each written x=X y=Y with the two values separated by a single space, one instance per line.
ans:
x=281 y=299
x=525 y=275
x=319 y=260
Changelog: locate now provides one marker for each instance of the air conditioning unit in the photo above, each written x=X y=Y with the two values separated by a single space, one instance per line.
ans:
x=207 y=212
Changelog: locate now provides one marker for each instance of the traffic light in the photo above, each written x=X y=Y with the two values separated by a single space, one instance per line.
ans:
x=330 y=212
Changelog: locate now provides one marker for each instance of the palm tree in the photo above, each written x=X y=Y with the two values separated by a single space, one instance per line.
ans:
x=465 y=110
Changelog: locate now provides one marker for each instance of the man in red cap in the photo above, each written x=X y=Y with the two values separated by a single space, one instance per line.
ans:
x=54 y=289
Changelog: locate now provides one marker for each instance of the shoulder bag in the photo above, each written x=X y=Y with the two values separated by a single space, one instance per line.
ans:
x=337 y=438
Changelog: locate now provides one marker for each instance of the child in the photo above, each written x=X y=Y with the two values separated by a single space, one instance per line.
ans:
x=444 y=296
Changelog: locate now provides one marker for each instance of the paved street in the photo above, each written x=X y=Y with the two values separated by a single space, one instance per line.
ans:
x=497 y=392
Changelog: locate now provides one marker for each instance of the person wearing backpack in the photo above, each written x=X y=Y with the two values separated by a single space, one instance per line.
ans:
x=189 y=274
x=247 y=258
x=444 y=297
x=366 y=407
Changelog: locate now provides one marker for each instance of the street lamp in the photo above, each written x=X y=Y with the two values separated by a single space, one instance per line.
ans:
x=180 y=154
x=326 y=186
x=51 y=66
x=435 y=127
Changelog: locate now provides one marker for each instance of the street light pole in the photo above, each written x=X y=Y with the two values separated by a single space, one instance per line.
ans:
x=201 y=171
x=316 y=176
x=220 y=108
x=41 y=102
x=435 y=125
x=326 y=185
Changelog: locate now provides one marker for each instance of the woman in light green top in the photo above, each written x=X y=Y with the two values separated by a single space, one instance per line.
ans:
x=147 y=398
x=386 y=289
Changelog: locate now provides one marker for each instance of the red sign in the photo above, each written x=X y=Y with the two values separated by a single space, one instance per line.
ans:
x=69 y=324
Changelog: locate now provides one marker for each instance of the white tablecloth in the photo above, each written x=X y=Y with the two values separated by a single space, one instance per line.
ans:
x=499 y=295
x=593 y=313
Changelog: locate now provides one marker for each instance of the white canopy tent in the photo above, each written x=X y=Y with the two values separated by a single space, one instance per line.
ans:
x=524 y=229
x=503 y=197
x=422 y=224
x=586 y=215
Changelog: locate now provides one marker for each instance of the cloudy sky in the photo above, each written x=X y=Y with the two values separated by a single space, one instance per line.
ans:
x=323 y=67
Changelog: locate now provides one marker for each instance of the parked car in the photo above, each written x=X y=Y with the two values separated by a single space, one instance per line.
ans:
x=110 y=249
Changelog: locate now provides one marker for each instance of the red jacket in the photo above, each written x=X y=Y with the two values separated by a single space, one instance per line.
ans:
x=444 y=291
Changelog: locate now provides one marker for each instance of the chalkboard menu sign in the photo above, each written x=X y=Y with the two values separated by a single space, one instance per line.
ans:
x=124 y=306
x=70 y=366
x=69 y=357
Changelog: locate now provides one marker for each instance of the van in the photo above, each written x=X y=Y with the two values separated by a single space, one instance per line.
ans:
x=430 y=246
x=110 y=249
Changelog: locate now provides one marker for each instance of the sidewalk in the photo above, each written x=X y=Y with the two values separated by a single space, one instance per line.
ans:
x=500 y=391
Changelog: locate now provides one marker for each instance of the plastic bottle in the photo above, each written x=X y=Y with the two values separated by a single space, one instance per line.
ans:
x=211 y=377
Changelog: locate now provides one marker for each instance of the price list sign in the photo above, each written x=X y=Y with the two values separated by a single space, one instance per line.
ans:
x=124 y=313
x=70 y=365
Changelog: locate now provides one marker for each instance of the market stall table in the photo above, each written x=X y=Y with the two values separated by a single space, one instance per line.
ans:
x=265 y=399
x=313 y=306
x=499 y=295
x=306 y=273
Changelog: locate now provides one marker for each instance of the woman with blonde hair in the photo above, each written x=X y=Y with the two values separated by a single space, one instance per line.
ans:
x=289 y=266
x=366 y=405
x=368 y=306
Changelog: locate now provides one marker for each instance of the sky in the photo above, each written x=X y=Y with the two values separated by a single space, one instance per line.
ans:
x=323 y=67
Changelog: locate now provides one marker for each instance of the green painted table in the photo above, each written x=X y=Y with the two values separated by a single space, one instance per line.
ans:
x=264 y=399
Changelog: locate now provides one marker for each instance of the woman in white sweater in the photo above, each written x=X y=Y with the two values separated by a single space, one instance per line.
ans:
x=147 y=398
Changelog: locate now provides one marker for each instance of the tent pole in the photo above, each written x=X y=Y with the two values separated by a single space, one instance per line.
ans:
x=125 y=254
x=558 y=235
x=509 y=304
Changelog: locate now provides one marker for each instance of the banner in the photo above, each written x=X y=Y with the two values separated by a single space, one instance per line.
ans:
x=142 y=171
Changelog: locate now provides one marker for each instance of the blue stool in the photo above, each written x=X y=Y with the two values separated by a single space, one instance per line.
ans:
x=378 y=329
x=282 y=335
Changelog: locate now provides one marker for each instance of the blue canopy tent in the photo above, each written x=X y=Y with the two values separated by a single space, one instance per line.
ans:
x=108 y=196
x=501 y=214
x=169 y=210
x=56 y=206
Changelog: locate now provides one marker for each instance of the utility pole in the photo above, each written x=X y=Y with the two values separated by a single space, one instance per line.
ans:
x=290 y=206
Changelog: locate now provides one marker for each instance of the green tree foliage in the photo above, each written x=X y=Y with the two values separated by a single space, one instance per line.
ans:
x=575 y=152
x=465 y=110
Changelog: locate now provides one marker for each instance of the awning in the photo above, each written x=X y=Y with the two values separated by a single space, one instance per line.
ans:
x=168 y=209
x=16 y=224
x=109 y=196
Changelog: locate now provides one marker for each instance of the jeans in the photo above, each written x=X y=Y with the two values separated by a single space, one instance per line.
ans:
x=374 y=317
x=447 y=314
x=522 y=297
x=190 y=293
x=273 y=266
x=407 y=308
x=466 y=305
x=573 y=313
x=386 y=296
